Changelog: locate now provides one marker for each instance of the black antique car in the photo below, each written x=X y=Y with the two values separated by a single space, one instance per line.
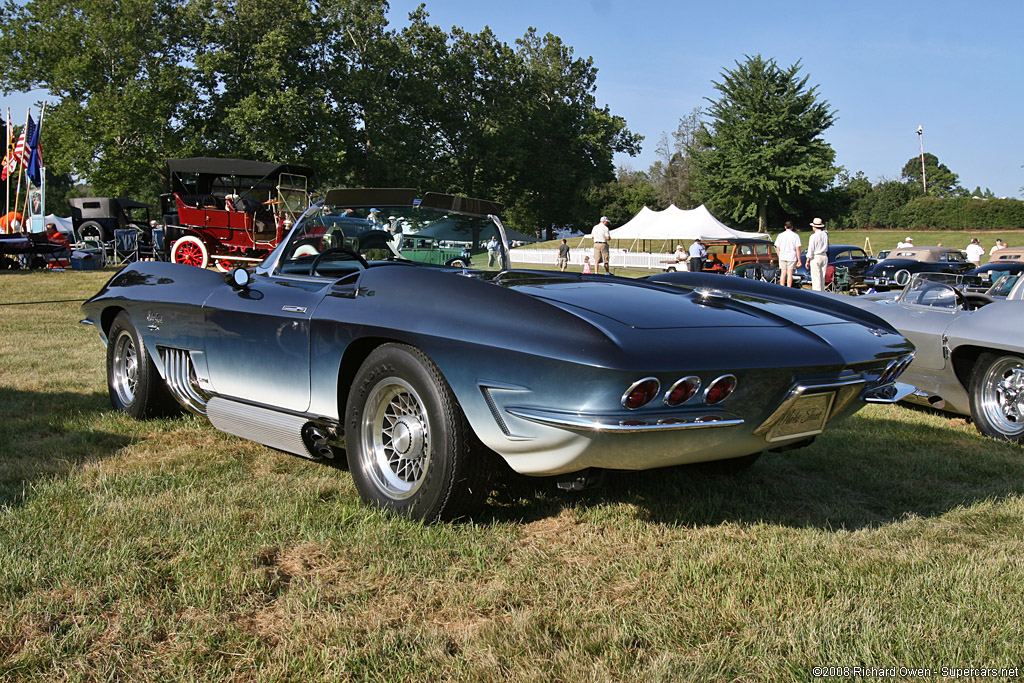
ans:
x=98 y=217
x=848 y=256
x=429 y=379
x=895 y=271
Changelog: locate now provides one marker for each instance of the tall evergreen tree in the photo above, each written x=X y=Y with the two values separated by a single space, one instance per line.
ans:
x=763 y=145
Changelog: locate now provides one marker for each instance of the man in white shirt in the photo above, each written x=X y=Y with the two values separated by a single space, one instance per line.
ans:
x=906 y=244
x=787 y=244
x=602 y=235
x=975 y=251
x=817 y=255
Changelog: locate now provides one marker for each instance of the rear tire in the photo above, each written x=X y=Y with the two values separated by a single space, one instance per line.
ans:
x=134 y=384
x=410 y=448
x=92 y=230
x=997 y=396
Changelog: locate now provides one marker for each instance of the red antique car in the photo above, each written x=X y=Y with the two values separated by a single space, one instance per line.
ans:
x=231 y=211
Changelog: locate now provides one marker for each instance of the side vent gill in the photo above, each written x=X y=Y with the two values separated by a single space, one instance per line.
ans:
x=181 y=380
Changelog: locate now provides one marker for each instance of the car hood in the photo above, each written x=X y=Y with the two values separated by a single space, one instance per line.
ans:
x=644 y=305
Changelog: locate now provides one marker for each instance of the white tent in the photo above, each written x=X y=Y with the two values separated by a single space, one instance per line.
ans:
x=677 y=224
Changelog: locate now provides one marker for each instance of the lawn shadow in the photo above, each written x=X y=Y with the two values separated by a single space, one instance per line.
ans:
x=47 y=434
x=881 y=472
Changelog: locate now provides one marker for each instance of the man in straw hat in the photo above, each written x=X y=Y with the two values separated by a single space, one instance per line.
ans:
x=817 y=255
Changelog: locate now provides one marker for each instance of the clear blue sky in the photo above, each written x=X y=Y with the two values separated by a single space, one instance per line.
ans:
x=956 y=68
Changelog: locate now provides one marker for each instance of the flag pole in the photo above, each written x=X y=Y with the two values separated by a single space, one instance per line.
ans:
x=8 y=152
x=21 y=168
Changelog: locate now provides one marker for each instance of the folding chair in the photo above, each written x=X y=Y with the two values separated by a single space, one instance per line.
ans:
x=126 y=245
x=840 y=280
x=770 y=274
x=159 y=249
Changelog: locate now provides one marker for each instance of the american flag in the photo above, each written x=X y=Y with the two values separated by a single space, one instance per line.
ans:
x=10 y=164
x=21 y=148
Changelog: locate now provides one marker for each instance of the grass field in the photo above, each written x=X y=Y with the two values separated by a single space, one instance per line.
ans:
x=164 y=550
x=872 y=241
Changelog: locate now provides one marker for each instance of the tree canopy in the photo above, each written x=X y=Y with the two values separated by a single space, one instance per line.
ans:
x=325 y=83
x=941 y=182
x=762 y=148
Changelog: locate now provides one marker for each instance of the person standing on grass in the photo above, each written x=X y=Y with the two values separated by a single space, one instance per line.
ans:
x=817 y=255
x=697 y=255
x=492 y=251
x=995 y=247
x=602 y=236
x=563 y=255
x=975 y=251
x=788 y=246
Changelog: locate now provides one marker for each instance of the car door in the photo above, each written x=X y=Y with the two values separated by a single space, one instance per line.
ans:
x=257 y=339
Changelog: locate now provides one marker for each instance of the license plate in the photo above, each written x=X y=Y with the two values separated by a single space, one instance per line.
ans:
x=806 y=417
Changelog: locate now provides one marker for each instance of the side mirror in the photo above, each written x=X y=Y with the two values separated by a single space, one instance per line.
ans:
x=238 y=278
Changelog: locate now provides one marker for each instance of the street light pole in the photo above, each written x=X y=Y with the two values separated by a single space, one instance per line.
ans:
x=920 y=137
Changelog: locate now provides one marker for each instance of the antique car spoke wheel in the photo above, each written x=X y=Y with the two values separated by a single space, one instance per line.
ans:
x=191 y=251
x=997 y=396
x=409 y=446
x=134 y=384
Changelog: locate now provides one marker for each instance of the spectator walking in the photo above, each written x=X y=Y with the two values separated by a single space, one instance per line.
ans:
x=697 y=255
x=563 y=255
x=817 y=255
x=602 y=236
x=586 y=265
x=787 y=244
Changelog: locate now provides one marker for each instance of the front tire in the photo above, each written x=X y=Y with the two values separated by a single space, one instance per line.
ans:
x=191 y=251
x=410 y=448
x=134 y=384
x=997 y=396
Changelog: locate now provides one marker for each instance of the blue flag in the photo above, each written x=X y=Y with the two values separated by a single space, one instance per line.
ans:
x=35 y=155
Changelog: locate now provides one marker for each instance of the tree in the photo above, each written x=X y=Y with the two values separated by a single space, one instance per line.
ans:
x=762 y=147
x=117 y=67
x=672 y=173
x=940 y=180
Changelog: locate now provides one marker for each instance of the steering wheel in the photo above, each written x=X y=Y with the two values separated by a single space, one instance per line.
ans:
x=334 y=251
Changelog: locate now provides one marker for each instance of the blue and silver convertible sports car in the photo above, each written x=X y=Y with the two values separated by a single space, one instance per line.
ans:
x=421 y=375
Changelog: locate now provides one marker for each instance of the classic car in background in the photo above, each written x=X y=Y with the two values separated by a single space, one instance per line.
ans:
x=1008 y=260
x=970 y=348
x=96 y=218
x=900 y=264
x=431 y=376
x=429 y=250
x=854 y=259
x=751 y=258
x=230 y=211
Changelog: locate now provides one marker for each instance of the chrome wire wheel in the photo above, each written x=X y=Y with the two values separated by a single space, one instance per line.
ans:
x=395 y=436
x=1001 y=398
x=125 y=368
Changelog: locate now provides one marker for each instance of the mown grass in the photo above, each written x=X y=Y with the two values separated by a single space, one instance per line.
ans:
x=164 y=550
x=871 y=240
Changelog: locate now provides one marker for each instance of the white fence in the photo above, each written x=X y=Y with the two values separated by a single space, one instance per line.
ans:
x=620 y=258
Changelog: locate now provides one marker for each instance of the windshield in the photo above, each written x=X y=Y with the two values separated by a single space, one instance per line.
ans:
x=928 y=292
x=390 y=234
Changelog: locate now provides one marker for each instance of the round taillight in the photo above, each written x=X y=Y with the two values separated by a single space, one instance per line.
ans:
x=682 y=391
x=641 y=393
x=720 y=389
